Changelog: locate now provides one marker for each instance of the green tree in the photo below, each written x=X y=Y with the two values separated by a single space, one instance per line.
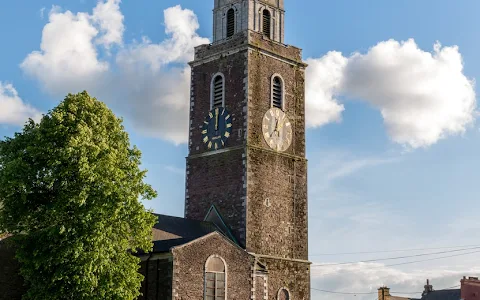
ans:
x=70 y=188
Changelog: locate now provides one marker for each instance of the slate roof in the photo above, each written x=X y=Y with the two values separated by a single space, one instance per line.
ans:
x=443 y=295
x=171 y=231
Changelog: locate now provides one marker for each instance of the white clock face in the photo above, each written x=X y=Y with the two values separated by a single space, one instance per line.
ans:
x=277 y=129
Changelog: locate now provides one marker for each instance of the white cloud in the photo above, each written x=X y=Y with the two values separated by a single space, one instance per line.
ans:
x=110 y=20
x=13 y=110
x=147 y=82
x=67 y=61
x=158 y=80
x=422 y=96
x=368 y=277
x=323 y=78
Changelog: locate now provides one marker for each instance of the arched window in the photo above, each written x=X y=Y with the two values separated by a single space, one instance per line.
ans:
x=278 y=92
x=267 y=20
x=217 y=91
x=230 y=22
x=283 y=294
x=215 y=279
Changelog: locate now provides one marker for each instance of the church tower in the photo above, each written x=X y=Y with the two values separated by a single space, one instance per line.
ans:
x=246 y=158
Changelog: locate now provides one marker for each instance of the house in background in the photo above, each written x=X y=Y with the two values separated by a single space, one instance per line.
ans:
x=469 y=290
x=384 y=294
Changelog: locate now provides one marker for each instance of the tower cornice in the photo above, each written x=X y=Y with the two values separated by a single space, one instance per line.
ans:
x=249 y=40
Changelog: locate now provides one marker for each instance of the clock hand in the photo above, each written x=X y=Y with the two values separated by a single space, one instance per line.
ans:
x=275 y=129
x=216 y=119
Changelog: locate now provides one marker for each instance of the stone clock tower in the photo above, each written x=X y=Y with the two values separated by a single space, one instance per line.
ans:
x=247 y=141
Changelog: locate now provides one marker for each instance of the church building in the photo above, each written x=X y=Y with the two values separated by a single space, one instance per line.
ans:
x=245 y=231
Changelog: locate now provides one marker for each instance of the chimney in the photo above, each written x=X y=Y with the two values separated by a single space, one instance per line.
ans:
x=470 y=289
x=428 y=288
x=384 y=293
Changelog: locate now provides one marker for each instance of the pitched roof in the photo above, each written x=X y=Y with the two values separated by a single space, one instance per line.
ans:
x=443 y=295
x=214 y=216
x=171 y=231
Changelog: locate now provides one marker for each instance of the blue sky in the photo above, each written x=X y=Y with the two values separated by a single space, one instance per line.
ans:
x=374 y=182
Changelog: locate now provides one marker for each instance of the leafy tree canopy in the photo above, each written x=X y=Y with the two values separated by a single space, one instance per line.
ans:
x=70 y=188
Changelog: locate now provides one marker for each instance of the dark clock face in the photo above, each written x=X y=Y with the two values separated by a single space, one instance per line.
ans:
x=217 y=128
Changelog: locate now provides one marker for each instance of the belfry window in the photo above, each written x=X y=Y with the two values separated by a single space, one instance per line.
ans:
x=215 y=279
x=267 y=20
x=218 y=91
x=277 y=92
x=230 y=22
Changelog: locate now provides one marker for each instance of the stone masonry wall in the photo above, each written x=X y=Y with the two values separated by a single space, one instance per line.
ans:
x=277 y=209
x=233 y=68
x=295 y=276
x=279 y=227
x=219 y=178
x=260 y=98
x=189 y=267
x=262 y=193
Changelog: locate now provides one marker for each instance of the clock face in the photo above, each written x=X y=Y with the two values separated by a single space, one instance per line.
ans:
x=217 y=128
x=277 y=129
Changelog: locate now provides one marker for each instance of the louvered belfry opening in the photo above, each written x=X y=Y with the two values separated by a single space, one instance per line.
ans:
x=218 y=91
x=277 y=93
x=266 y=23
x=230 y=22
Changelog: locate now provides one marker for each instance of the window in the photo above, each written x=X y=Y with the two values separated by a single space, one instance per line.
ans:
x=283 y=294
x=277 y=92
x=215 y=279
x=267 y=19
x=230 y=22
x=217 y=91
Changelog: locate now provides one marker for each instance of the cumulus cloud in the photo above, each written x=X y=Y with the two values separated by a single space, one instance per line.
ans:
x=157 y=78
x=323 y=79
x=110 y=21
x=13 y=110
x=368 y=277
x=67 y=61
x=144 y=81
x=422 y=96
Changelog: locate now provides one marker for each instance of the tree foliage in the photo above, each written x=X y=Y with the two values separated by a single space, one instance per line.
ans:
x=70 y=187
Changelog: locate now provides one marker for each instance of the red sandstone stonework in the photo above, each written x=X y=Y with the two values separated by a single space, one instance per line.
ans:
x=470 y=288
